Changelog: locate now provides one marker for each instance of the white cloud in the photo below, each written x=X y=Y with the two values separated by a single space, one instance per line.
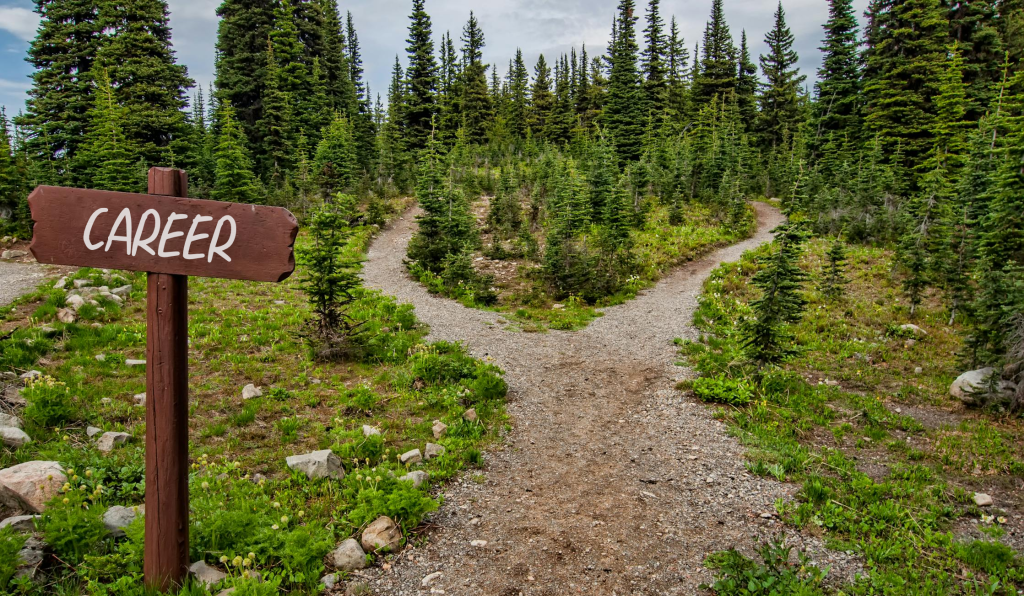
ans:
x=7 y=85
x=18 y=21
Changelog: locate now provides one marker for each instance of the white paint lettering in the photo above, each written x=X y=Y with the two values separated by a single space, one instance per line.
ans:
x=88 y=229
x=126 y=217
x=168 y=234
x=219 y=249
x=144 y=244
x=192 y=236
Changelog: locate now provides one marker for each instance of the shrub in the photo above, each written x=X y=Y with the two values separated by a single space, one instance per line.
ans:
x=488 y=384
x=361 y=398
x=379 y=494
x=740 y=576
x=723 y=390
x=72 y=524
x=10 y=544
x=49 y=402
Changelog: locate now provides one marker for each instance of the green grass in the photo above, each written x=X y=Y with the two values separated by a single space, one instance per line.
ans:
x=875 y=481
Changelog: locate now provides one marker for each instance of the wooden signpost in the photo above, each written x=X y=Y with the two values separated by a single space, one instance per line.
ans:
x=170 y=237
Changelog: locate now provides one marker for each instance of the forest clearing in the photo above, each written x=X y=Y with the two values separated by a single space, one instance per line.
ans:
x=637 y=320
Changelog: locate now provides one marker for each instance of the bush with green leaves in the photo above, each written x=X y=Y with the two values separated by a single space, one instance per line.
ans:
x=72 y=522
x=775 y=575
x=721 y=389
x=49 y=402
x=371 y=492
x=10 y=544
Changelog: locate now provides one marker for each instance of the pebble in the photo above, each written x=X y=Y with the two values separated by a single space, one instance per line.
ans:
x=429 y=578
x=109 y=440
x=131 y=362
x=982 y=500
x=250 y=391
x=411 y=457
x=478 y=543
x=433 y=450
x=439 y=429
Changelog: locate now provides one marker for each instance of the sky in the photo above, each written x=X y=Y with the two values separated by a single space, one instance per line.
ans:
x=548 y=27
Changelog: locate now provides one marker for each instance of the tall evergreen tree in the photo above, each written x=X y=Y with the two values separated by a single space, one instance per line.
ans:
x=334 y=61
x=780 y=101
x=275 y=130
x=11 y=191
x=974 y=27
x=336 y=164
x=421 y=98
x=655 y=83
x=519 y=96
x=542 y=101
x=717 y=67
x=477 y=110
x=109 y=160
x=746 y=84
x=678 y=74
x=623 y=110
x=234 y=182
x=837 y=111
x=241 y=54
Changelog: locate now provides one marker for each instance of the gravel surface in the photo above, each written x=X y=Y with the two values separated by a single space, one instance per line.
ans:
x=612 y=482
x=18 y=278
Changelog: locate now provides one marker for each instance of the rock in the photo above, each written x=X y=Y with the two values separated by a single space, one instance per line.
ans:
x=59 y=285
x=117 y=518
x=75 y=302
x=318 y=464
x=258 y=478
x=105 y=400
x=226 y=591
x=101 y=357
x=109 y=440
x=30 y=558
x=112 y=297
x=430 y=578
x=909 y=343
x=417 y=478
x=250 y=391
x=82 y=283
x=918 y=370
x=122 y=291
x=14 y=437
x=433 y=450
x=10 y=420
x=381 y=534
x=917 y=331
x=131 y=362
x=20 y=523
x=370 y=430
x=349 y=556
x=440 y=429
x=411 y=457
x=66 y=315
x=982 y=500
x=478 y=543
x=329 y=581
x=13 y=254
x=30 y=485
x=975 y=388
x=469 y=415
x=206 y=575
x=140 y=398
x=92 y=431
x=358 y=589
x=30 y=375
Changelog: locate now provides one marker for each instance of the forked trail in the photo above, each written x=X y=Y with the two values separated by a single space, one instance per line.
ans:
x=612 y=482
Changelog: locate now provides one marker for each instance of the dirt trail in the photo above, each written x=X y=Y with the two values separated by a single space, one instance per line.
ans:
x=611 y=481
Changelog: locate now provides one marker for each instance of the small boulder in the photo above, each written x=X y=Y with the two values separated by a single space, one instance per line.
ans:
x=469 y=415
x=14 y=437
x=131 y=362
x=382 y=534
x=75 y=302
x=250 y=391
x=30 y=375
x=10 y=420
x=370 y=430
x=30 y=558
x=30 y=485
x=109 y=440
x=430 y=578
x=911 y=328
x=440 y=429
x=122 y=291
x=417 y=477
x=358 y=589
x=66 y=315
x=140 y=398
x=82 y=283
x=59 y=284
x=349 y=556
x=318 y=464
x=13 y=254
x=206 y=575
x=982 y=500
x=20 y=523
x=92 y=431
x=329 y=581
x=117 y=518
x=411 y=457
x=981 y=388
x=101 y=357
x=433 y=450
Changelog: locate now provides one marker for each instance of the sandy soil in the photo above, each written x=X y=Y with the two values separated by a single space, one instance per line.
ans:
x=611 y=481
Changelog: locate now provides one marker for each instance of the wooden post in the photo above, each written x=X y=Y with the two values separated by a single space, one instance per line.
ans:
x=166 y=557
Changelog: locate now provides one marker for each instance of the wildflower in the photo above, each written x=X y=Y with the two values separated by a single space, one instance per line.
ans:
x=277 y=505
x=284 y=519
x=987 y=518
x=251 y=555
x=237 y=562
x=1001 y=519
x=88 y=473
x=274 y=527
x=302 y=513
x=246 y=563
x=223 y=558
x=66 y=500
x=66 y=487
x=377 y=478
x=206 y=485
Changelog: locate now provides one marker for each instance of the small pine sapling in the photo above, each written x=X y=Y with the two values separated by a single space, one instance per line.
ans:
x=834 y=277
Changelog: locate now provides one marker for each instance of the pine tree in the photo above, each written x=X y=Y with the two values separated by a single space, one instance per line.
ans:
x=62 y=54
x=542 y=101
x=335 y=163
x=655 y=83
x=603 y=178
x=10 y=180
x=837 y=111
x=623 y=115
x=678 y=75
x=834 y=276
x=974 y=27
x=519 y=115
x=241 y=57
x=109 y=160
x=780 y=102
x=421 y=98
x=746 y=84
x=275 y=128
x=560 y=124
x=363 y=128
x=234 y=178
x=334 y=61
x=477 y=111
x=716 y=71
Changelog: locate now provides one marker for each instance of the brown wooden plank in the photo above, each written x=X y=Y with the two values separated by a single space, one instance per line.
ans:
x=165 y=557
x=261 y=249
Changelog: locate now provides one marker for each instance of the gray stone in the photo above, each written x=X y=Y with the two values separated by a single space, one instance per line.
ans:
x=13 y=254
x=433 y=450
x=14 y=437
x=92 y=431
x=430 y=578
x=109 y=440
x=123 y=291
x=382 y=534
x=206 y=575
x=250 y=391
x=370 y=430
x=30 y=558
x=59 y=285
x=349 y=556
x=918 y=370
x=318 y=464
x=140 y=398
x=417 y=478
x=411 y=457
x=917 y=331
x=117 y=518
x=66 y=316
x=82 y=283
x=131 y=362
x=358 y=589
x=440 y=429
x=329 y=581
x=30 y=375
x=101 y=357
x=982 y=500
x=112 y=297
x=75 y=302
x=10 y=420
x=30 y=485
x=979 y=388
x=20 y=523
x=469 y=415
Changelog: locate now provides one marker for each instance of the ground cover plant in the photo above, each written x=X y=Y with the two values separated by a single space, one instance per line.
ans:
x=860 y=419
x=249 y=512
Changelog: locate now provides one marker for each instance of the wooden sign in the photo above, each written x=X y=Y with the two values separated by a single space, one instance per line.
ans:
x=171 y=237
x=137 y=232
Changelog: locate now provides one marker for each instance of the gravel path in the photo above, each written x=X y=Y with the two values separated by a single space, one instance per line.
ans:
x=612 y=482
x=17 y=279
